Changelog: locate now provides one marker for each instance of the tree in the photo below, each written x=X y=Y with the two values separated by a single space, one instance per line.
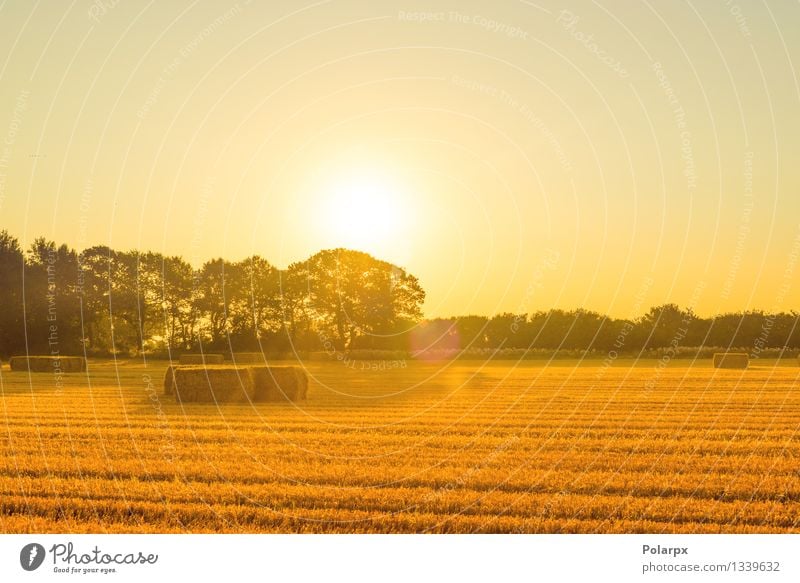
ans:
x=666 y=325
x=213 y=301
x=177 y=297
x=295 y=303
x=12 y=326
x=255 y=307
x=113 y=309
x=351 y=294
x=472 y=331
x=507 y=330
x=53 y=315
x=95 y=288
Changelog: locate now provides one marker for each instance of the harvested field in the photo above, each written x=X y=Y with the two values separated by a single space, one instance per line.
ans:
x=433 y=447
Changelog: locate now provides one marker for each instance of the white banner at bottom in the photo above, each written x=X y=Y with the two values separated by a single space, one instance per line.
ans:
x=406 y=558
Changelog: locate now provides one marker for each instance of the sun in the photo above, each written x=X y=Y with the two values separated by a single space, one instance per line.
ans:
x=363 y=210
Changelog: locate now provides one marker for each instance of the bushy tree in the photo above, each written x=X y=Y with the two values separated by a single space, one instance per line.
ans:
x=350 y=295
x=12 y=326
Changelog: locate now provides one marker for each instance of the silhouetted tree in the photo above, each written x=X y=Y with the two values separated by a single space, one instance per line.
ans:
x=212 y=302
x=53 y=314
x=352 y=294
x=12 y=326
x=255 y=307
x=177 y=298
x=666 y=325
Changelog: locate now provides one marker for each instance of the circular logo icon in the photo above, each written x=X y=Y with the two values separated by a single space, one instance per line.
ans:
x=31 y=556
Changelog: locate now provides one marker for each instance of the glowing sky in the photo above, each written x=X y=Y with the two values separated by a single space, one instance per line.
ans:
x=515 y=156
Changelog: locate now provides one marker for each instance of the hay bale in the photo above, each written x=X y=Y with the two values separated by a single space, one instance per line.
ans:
x=169 y=380
x=738 y=360
x=62 y=364
x=201 y=359
x=248 y=358
x=212 y=384
x=279 y=383
x=169 y=376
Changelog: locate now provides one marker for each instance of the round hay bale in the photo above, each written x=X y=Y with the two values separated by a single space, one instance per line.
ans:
x=739 y=360
x=201 y=359
x=63 y=364
x=212 y=384
x=280 y=383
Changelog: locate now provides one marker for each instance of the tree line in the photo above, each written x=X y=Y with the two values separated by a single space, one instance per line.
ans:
x=663 y=327
x=102 y=301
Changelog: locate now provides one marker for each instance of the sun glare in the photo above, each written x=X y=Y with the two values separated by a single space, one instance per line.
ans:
x=364 y=211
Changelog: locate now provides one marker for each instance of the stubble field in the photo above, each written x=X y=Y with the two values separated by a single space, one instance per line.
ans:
x=427 y=447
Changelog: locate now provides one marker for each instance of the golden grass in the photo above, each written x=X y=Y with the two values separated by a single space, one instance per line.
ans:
x=464 y=447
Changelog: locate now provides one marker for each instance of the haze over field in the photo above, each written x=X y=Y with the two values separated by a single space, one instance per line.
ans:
x=470 y=143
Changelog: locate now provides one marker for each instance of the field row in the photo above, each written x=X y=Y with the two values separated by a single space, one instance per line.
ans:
x=457 y=511
x=733 y=484
x=456 y=448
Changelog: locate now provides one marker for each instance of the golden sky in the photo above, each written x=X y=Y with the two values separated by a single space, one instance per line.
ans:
x=515 y=156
